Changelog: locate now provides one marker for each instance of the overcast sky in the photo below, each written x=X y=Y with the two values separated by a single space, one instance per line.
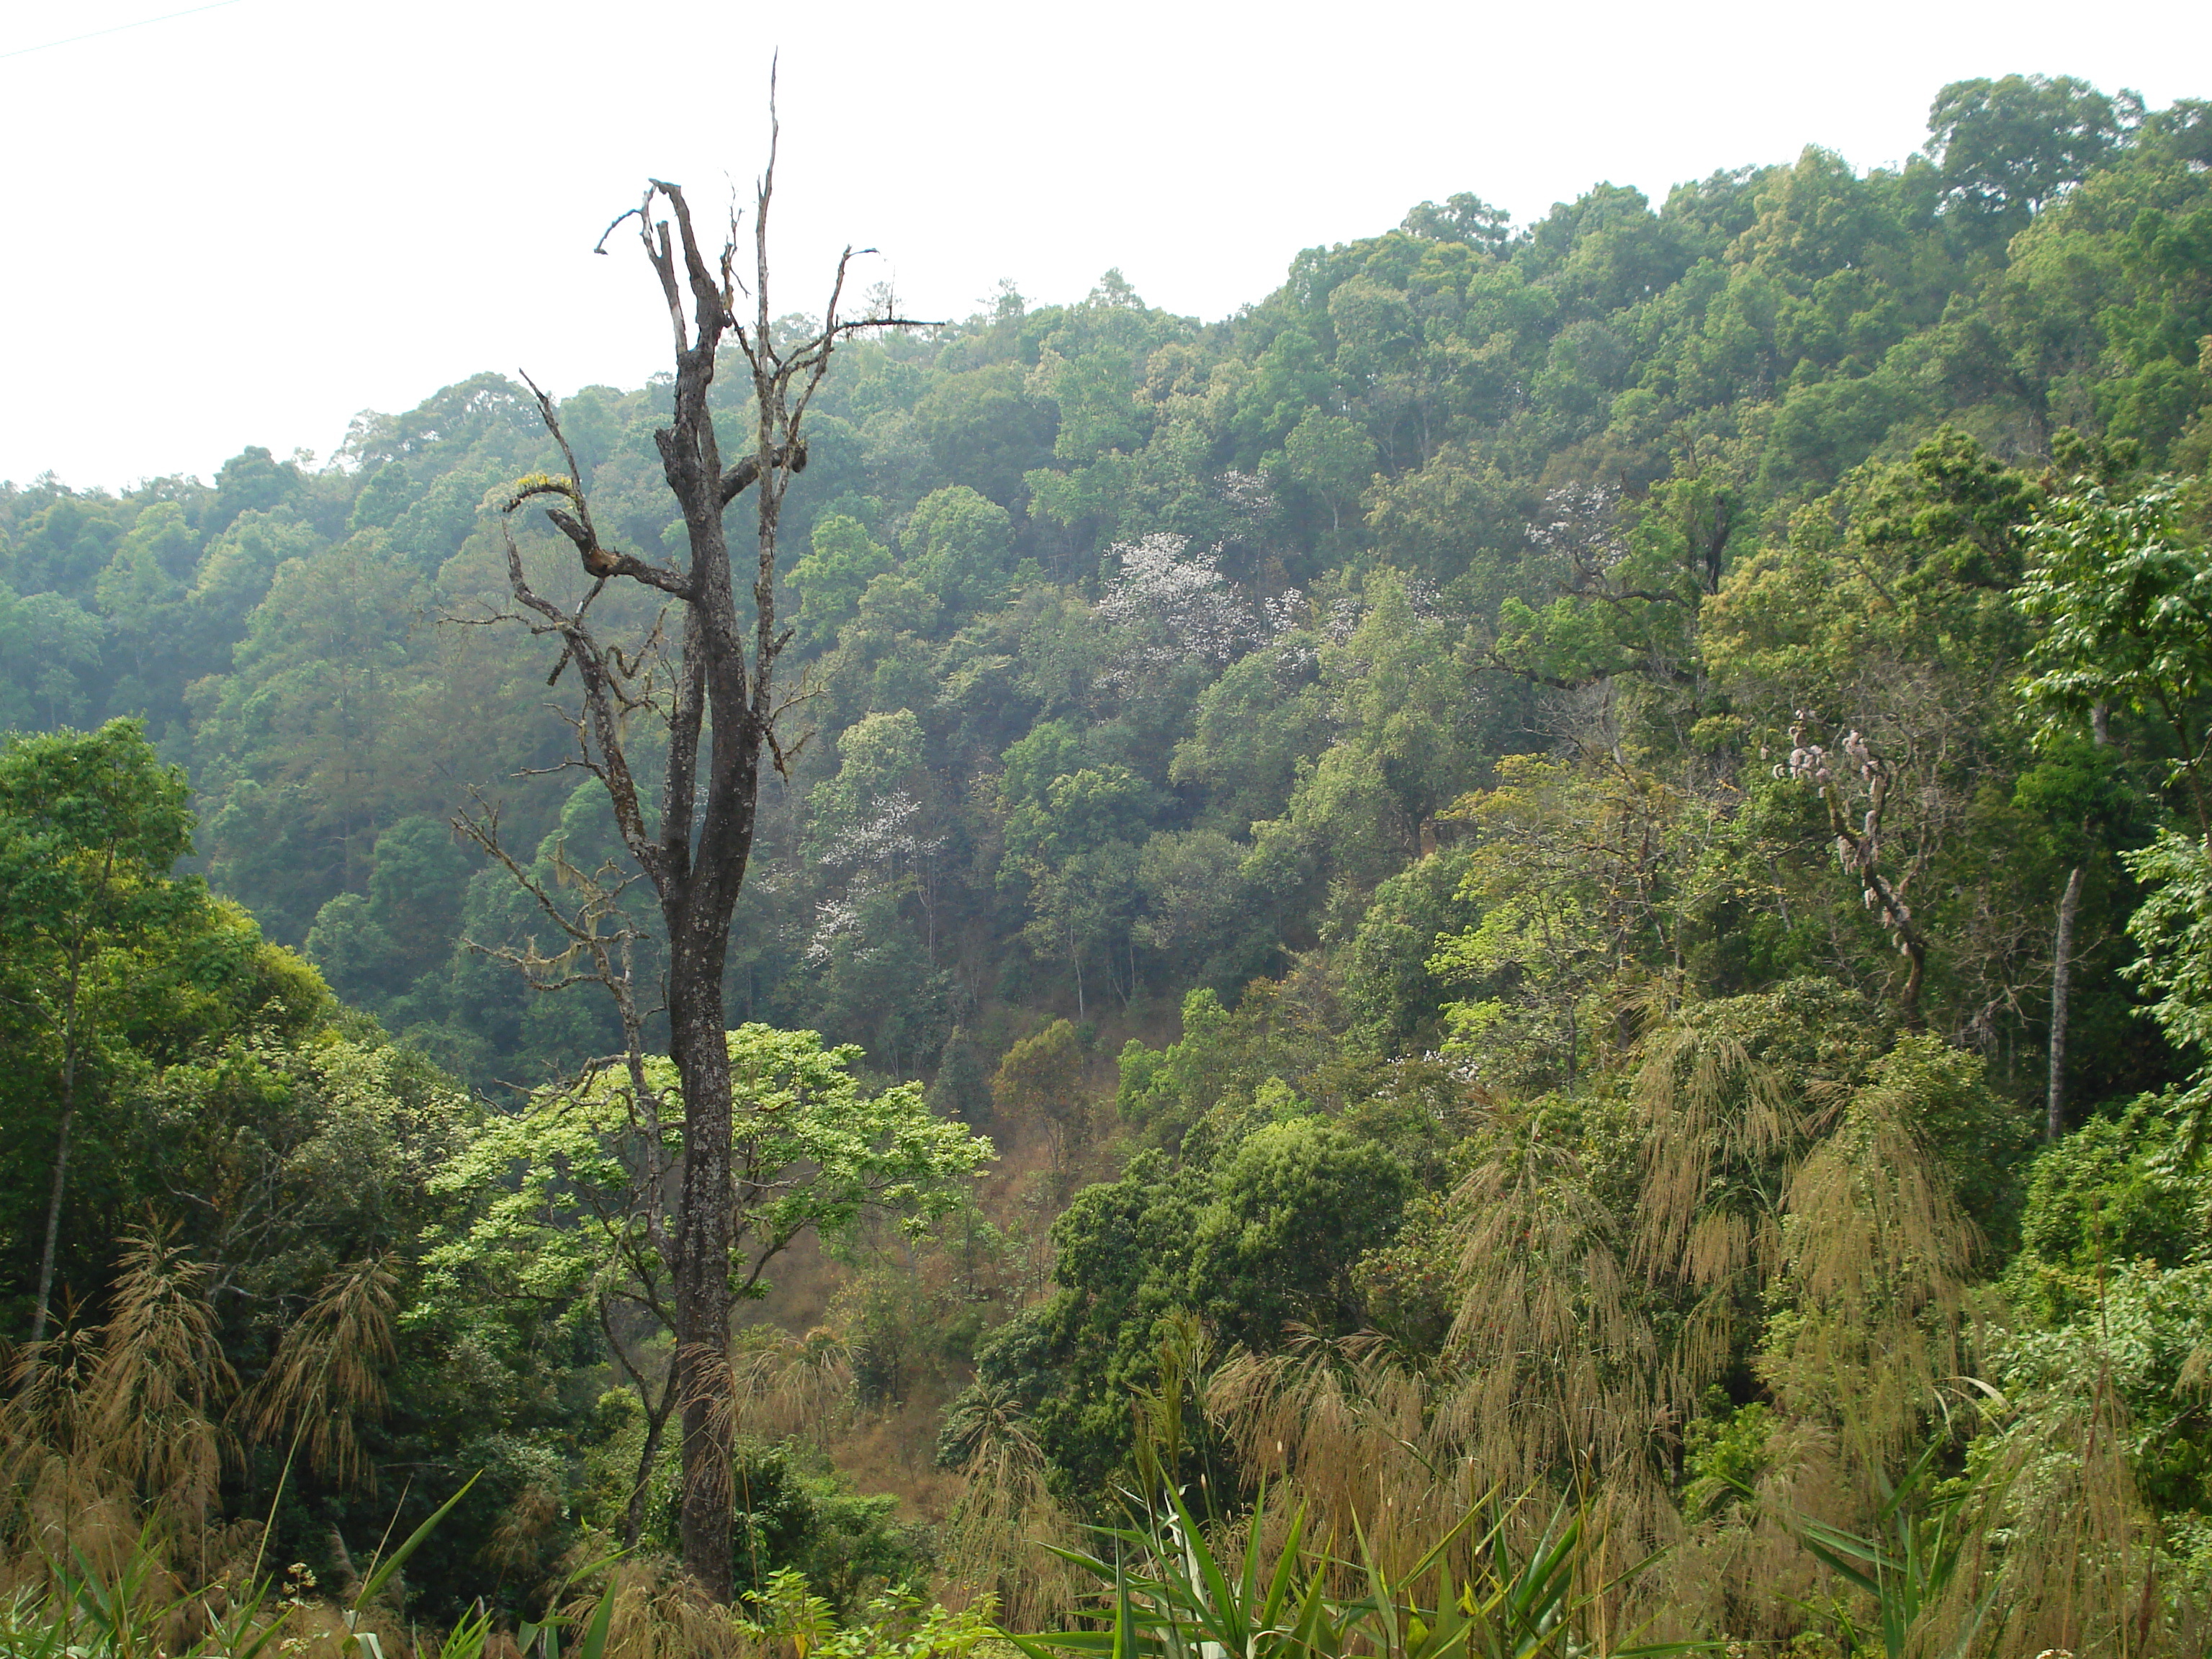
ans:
x=245 y=224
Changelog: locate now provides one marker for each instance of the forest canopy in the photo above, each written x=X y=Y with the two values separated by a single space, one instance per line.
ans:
x=1570 y=860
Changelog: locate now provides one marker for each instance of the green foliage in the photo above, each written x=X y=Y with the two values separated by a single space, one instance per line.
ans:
x=1173 y=1596
x=1981 y=1139
x=2174 y=927
x=2009 y=146
x=2140 y=1330
x=1907 y=1565
x=1435 y=399
x=1542 y=939
x=93 y=824
x=802 y=1531
x=562 y=1184
x=107 y=962
x=1724 y=1453
x=2105 y=1196
x=842 y=560
x=1293 y=1208
x=893 y=1625
x=959 y=542
x=1038 y=1089
x=2128 y=616
x=1212 y=1078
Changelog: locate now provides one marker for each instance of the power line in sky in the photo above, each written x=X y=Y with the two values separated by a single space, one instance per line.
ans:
x=94 y=35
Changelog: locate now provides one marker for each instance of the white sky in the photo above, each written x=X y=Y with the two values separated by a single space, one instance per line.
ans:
x=243 y=225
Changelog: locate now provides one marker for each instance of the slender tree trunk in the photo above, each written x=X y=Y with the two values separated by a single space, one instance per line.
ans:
x=1908 y=1001
x=2061 y=966
x=39 y=1314
x=2061 y=979
x=53 y=1221
x=656 y=1424
x=1075 y=956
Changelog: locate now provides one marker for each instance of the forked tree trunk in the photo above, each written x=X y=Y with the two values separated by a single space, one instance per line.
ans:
x=719 y=705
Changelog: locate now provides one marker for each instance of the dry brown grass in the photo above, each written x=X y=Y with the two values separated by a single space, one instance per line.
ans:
x=113 y=1439
x=1874 y=1259
x=1721 y=1130
x=327 y=1373
x=997 y=1535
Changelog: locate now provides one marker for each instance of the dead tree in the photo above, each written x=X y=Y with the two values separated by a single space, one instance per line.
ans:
x=1854 y=778
x=715 y=701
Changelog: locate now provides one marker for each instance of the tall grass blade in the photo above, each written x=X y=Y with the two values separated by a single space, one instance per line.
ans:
x=381 y=1572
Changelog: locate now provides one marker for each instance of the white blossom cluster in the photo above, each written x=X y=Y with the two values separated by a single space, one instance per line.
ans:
x=832 y=918
x=1580 y=525
x=1246 y=494
x=1283 y=612
x=1173 y=606
x=1422 y=598
x=885 y=839
x=1295 y=655
x=1343 y=621
x=874 y=849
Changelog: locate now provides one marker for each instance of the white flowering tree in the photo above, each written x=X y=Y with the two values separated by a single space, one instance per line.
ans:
x=874 y=842
x=1167 y=605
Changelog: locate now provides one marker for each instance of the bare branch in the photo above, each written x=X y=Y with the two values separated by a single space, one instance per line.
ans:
x=601 y=702
x=744 y=472
x=655 y=234
x=599 y=559
x=600 y=246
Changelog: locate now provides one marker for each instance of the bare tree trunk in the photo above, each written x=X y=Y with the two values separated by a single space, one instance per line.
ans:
x=2061 y=979
x=53 y=1221
x=42 y=1309
x=718 y=704
x=656 y=1424
x=705 y=1229
x=2061 y=966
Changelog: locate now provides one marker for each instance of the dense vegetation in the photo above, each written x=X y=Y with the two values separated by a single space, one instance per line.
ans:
x=1502 y=842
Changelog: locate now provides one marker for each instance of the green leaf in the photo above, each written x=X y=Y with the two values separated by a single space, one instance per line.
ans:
x=380 y=1575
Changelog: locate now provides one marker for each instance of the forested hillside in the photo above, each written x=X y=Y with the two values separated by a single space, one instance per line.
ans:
x=1562 y=859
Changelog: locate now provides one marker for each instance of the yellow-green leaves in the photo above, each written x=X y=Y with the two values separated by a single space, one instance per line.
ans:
x=570 y=1187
